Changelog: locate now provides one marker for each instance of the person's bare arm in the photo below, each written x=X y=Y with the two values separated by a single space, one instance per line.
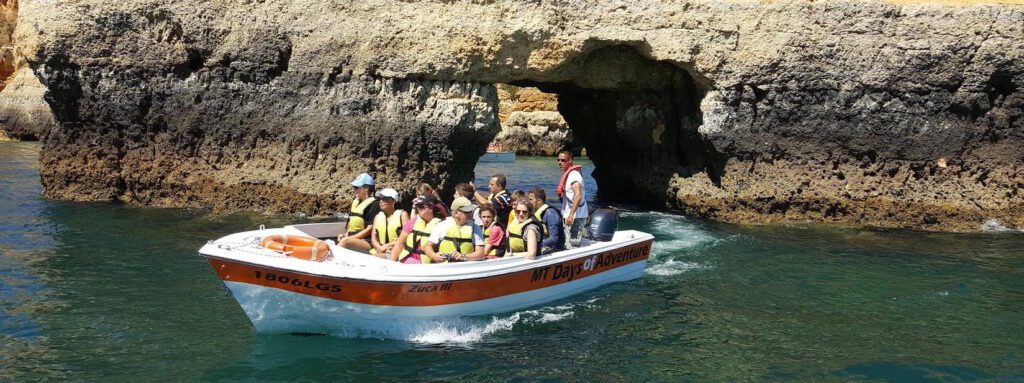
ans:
x=377 y=245
x=577 y=195
x=531 y=245
x=478 y=254
x=480 y=200
x=364 y=233
x=433 y=254
x=396 y=251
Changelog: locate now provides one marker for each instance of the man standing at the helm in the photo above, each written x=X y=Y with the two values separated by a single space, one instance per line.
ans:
x=574 y=199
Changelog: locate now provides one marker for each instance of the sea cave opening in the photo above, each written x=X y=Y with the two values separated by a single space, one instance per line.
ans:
x=636 y=119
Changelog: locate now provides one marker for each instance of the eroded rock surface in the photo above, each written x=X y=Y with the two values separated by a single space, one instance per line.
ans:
x=531 y=123
x=889 y=114
x=24 y=115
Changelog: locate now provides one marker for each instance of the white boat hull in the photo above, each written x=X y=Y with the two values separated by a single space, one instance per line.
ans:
x=274 y=310
x=282 y=294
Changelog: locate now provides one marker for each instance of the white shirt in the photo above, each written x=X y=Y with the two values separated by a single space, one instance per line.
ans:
x=476 y=217
x=581 y=211
x=442 y=229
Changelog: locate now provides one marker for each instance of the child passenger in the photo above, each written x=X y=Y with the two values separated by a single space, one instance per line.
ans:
x=494 y=235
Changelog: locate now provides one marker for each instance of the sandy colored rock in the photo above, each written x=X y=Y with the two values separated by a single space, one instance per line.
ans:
x=737 y=110
x=8 y=20
x=530 y=122
x=24 y=114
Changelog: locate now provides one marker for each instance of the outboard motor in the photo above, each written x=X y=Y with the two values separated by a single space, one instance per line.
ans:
x=602 y=224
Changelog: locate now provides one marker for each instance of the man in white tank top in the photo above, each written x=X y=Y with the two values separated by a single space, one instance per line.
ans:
x=574 y=199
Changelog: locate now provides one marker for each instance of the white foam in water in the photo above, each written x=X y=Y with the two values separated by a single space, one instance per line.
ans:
x=461 y=330
x=456 y=331
x=672 y=235
x=674 y=267
x=994 y=226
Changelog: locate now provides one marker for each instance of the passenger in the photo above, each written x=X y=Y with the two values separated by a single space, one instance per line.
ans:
x=416 y=231
x=467 y=190
x=516 y=196
x=426 y=189
x=387 y=224
x=494 y=236
x=364 y=205
x=550 y=222
x=457 y=238
x=499 y=198
x=574 y=199
x=524 y=235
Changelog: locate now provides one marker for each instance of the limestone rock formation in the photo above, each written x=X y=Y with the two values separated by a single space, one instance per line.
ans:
x=895 y=114
x=8 y=20
x=24 y=115
x=530 y=122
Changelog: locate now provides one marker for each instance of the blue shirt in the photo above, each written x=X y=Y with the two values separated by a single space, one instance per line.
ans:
x=502 y=203
x=556 y=236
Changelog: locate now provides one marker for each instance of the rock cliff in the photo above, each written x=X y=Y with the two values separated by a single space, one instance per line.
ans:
x=898 y=114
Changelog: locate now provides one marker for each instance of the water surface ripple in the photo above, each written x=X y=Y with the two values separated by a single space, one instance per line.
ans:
x=101 y=292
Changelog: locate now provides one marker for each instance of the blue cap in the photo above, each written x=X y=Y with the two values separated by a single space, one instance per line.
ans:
x=362 y=180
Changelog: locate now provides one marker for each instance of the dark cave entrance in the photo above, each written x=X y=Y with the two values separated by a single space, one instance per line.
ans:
x=638 y=119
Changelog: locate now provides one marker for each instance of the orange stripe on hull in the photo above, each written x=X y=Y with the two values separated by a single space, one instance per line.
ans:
x=430 y=293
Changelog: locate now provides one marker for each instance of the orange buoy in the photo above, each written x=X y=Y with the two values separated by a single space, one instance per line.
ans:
x=297 y=246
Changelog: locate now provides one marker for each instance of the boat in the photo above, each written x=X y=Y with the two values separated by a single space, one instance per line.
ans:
x=498 y=157
x=285 y=294
x=496 y=154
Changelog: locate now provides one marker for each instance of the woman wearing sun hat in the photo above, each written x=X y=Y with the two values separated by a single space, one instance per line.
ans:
x=387 y=223
x=364 y=207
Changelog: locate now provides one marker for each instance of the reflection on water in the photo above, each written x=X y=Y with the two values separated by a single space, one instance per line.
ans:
x=100 y=292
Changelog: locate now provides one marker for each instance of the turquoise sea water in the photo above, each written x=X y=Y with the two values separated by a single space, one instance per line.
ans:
x=101 y=292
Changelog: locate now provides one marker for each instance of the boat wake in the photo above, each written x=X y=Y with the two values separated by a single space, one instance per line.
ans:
x=461 y=330
x=674 y=267
x=677 y=242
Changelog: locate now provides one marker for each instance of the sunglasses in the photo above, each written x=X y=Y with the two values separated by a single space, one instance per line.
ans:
x=422 y=206
x=563 y=160
x=522 y=212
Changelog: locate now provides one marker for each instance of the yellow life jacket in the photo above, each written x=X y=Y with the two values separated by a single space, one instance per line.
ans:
x=487 y=234
x=356 y=221
x=539 y=217
x=457 y=238
x=516 y=240
x=386 y=229
x=418 y=238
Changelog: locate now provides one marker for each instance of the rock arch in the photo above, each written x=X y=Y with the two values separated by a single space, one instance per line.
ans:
x=888 y=114
x=637 y=117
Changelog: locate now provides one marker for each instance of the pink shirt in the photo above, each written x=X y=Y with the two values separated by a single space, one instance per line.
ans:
x=414 y=257
x=407 y=228
x=496 y=236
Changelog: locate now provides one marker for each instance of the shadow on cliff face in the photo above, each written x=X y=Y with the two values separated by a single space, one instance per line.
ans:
x=638 y=119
